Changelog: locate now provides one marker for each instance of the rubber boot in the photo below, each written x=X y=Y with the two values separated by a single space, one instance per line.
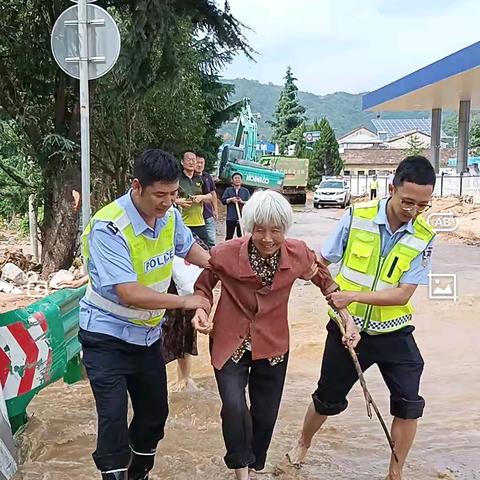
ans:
x=123 y=475
x=140 y=466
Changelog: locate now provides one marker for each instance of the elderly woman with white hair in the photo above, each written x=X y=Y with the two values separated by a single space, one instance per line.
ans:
x=249 y=335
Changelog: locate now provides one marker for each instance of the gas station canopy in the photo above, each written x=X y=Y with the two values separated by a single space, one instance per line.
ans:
x=442 y=84
x=452 y=83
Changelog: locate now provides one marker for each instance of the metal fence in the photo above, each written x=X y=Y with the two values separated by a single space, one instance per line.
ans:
x=446 y=186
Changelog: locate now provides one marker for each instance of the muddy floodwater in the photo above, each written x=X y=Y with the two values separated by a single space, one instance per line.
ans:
x=60 y=437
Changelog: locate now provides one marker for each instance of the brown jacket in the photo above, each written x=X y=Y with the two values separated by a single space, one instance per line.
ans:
x=245 y=307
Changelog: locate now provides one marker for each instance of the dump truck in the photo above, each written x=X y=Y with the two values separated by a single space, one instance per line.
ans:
x=296 y=176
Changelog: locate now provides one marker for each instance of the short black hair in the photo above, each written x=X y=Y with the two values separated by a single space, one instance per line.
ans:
x=415 y=169
x=237 y=173
x=155 y=165
x=201 y=154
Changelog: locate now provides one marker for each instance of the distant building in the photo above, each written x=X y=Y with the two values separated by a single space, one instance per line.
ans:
x=379 y=151
x=359 y=138
x=402 y=140
x=387 y=129
x=381 y=161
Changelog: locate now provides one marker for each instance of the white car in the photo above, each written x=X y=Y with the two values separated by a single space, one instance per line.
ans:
x=335 y=192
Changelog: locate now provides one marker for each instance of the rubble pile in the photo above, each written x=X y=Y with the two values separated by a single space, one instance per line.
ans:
x=20 y=282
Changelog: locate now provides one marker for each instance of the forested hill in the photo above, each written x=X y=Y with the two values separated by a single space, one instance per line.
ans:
x=343 y=110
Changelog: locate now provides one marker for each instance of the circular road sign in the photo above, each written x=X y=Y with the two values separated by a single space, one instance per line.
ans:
x=103 y=42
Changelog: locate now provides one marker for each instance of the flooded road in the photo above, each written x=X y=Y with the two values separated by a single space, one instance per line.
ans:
x=59 y=439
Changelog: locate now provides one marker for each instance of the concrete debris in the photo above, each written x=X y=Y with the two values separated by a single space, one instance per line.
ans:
x=60 y=278
x=9 y=288
x=12 y=273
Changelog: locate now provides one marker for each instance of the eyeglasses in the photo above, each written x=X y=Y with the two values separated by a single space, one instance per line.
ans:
x=408 y=206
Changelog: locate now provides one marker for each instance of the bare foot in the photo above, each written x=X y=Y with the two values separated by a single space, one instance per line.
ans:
x=241 y=473
x=394 y=476
x=265 y=473
x=285 y=466
x=184 y=385
x=297 y=454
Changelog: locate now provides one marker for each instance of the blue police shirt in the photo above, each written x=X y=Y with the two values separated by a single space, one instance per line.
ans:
x=334 y=248
x=110 y=264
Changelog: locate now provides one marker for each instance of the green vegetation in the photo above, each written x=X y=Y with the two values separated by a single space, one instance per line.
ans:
x=289 y=113
x=415 y=146
x=325 y=157
x=164 y=92
x=343 y=110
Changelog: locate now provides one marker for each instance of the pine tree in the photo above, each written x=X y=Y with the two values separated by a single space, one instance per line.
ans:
x=415 y=145
x=326 y=158
x=289 y=113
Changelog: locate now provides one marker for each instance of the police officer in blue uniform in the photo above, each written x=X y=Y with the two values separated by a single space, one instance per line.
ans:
x=387 y=339
x=129 y=247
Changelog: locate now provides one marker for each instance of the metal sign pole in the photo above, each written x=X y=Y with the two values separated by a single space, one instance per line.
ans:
x=84 y=109
x=85 y=44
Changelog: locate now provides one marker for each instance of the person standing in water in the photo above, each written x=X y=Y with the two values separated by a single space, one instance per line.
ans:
x=384 y=250
x=128 y=248
x=249 y=343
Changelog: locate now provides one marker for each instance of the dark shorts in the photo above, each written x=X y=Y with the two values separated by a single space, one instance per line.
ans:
x=398 y=359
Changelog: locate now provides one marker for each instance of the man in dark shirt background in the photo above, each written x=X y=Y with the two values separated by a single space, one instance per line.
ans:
x=210 y=210
x=232 y=195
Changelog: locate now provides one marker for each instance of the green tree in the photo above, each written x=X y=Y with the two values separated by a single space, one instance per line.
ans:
x=474 y=141
x=297 y=137
x=18 y=176
x=44 y=105
x=325 y=157
x=415 y=145
x=289 y=114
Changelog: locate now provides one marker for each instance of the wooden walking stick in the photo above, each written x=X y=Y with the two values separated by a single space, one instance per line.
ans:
x=239 y=217
x=341 y=322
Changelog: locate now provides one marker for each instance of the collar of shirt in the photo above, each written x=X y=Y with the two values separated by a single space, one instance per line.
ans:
x=263 y=267
x=245 y=267
x=192 y=178
x=139 y=225
x=381 y=219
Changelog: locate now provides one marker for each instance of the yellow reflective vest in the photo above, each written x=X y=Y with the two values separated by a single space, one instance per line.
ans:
x=364 y=269
x=152 y=260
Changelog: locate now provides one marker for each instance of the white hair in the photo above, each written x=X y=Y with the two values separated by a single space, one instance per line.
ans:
x=267 y=208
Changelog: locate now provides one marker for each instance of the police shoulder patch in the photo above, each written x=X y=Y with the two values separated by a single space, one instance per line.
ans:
x=426 y=255
x=112 y=227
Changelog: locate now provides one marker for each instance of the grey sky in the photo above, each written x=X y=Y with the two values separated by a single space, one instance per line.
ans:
x=350 y=45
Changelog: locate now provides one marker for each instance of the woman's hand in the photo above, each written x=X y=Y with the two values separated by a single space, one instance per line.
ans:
x=201 y=323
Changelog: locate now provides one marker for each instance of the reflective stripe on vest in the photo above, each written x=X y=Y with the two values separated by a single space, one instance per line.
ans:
x=364 y=269
x=152 y=260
